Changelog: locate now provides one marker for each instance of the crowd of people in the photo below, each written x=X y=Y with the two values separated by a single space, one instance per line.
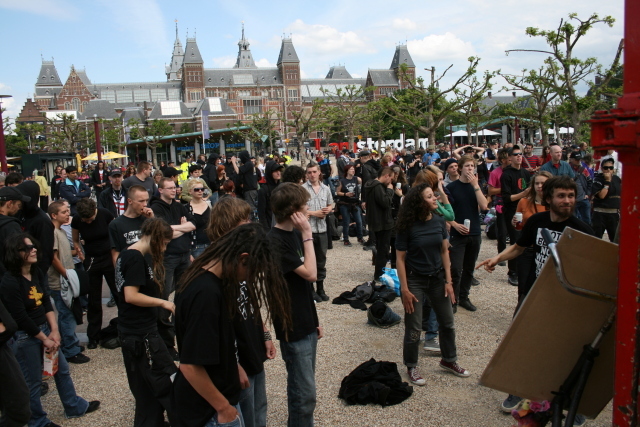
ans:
x=226 y=236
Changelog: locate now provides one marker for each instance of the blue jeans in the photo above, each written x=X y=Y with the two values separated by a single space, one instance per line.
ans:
x=347 y=211
x=300 y=359
x=197 y=250
x=583 y=210
x=214 y=198
x=429 y=321
x=70 y=344
x=253 y=401
x=28 y=351
x=238 y=422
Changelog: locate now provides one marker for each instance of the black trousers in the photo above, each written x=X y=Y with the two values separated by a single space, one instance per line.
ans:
x=97 y=268
x=514 y=235
x=149 y=368
x=14 y=393
x=605 y=221
x=383 y=240
x=464 y=254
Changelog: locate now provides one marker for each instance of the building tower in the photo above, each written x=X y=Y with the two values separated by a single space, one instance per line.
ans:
x=48 y=85
x=174 y=70
x=192 y=72
x=401 y=57
x=245 y=59
x=289 y=69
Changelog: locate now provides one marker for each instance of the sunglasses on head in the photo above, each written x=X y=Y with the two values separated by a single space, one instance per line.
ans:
x=607 y=168
x=198 y=189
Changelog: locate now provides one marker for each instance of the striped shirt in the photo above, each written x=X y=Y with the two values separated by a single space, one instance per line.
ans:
x=318 y=201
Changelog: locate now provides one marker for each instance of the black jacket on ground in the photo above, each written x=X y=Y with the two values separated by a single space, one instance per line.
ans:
x=173 y=213
x=379 y=201
x=375 y=382
x=264 y=195
x=37 y=223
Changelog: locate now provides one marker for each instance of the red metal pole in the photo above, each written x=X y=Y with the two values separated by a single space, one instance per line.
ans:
x=3 y=149
x=619 y=129
x=96 y=129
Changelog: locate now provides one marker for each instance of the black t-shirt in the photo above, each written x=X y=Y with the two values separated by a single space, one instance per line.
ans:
x=465 y=206
x=287 y=245
x=531 y=234
x=124 y=232
x=249 y=176
x=513 y=181
x=27 y=301
x=132 y=270
x=350 y=186
x=202 y=221
x=612 y=201
x=423 y=244
x=249 y=335
x=206 y=338
x=96 y=234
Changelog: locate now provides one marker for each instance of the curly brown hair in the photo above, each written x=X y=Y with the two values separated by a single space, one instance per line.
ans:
x=414 y=208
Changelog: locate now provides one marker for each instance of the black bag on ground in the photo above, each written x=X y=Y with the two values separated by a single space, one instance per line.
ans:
x=356 y=298
x=375 y=382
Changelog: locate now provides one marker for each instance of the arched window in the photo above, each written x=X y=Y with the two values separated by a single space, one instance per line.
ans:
x=67 y=106
x=76 y=103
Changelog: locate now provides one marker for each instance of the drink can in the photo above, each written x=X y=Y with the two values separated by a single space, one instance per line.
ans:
x=398 y=185
x=467 y=223
x=519 y=216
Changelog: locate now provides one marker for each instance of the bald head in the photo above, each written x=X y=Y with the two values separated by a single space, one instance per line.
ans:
x=556 y=153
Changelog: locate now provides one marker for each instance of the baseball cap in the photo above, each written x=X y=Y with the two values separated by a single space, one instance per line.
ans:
x=575 y=155
x=364 y=153
x=171 y=172
x=12 y=193
x=116 y=171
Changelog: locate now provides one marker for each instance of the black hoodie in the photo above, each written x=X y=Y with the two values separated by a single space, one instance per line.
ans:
x=379 y=199
x=37 y=223
x=210 y=173
x=248 y=172
x=9 y=226
x=264 y=195
x=172 y=213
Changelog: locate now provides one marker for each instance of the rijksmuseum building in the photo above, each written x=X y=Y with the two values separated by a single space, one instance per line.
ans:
x=228 y=94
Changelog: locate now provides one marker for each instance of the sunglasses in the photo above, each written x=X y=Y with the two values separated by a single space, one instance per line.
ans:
x=198 y=189
x=28 y=248
x=516 y=154
x=607 y=168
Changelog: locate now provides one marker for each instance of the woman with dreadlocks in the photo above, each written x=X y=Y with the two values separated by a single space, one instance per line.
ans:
x=207 y=388
x=146 y=358
x=424 y=270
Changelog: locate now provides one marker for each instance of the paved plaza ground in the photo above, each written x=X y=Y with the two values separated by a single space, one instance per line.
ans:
x=446 y=400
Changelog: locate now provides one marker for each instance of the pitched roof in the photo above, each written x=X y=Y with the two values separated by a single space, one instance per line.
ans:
x=123 y=95
x=311 y=89
x=338 y=72
x=82 y=74
x=225 y=77
x=170 y=110
x=287 y=52
x=134 y=113
x=383 y=77
x=101 y=108
x=48 y=75
x=401 y=56
x=192 y=53
x=215 y=107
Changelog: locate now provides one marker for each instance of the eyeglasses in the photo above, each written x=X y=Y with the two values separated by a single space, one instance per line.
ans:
x=516 y=154
x=28 y=248
x=198 y=189
x=607 y=168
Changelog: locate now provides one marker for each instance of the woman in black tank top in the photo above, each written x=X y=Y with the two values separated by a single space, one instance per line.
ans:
x=348 y=192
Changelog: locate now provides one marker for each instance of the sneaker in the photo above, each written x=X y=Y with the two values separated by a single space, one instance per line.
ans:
x=44 y=389
x=513 y=279
x=432 y=345
x=475 y=282
x=323 y=296
x=511 y=403
x=454 y=368
x=78 y=359
x=415 y=377
x=93 y=406
x=111 y=303
x=316 y=297
x=467 y=305
x=93 y=344
x=454 y=308
x=579 y=420
x=361 y=241
x=347 y=243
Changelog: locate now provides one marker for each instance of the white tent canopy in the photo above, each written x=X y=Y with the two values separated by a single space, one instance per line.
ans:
x=565 y=130
x=458 y=133
x=486 y=132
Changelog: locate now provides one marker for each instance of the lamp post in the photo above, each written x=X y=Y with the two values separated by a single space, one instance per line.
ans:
x=96 y=129
x=3 y=149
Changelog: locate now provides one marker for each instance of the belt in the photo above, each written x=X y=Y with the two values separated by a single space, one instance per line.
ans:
x=606 y=210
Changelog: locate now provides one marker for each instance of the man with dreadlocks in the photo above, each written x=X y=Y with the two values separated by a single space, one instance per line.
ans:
x=206 y=390
x=292 y=240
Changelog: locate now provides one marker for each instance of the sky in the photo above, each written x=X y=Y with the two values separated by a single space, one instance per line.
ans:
x=131 y=41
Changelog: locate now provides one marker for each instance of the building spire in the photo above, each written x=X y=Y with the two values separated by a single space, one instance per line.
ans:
x=245 y=59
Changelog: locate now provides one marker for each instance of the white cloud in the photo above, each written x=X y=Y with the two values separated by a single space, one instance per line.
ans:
x=318 y=39
x=442 y=47
x=60 y=10
x=227 y=61
x=403 y=24
x=264 y=62
x=11 y=105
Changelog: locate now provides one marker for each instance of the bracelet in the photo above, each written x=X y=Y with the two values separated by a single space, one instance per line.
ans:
x=476 y=189
x=310 y=239
x=606 y=187
x=267 y=336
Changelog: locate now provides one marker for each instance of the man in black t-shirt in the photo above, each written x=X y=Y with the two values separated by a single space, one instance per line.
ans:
x=513 y=183
x=292 y=240
x=125 y=230
x=468 y=200
x=559 y=195
x=606 y=200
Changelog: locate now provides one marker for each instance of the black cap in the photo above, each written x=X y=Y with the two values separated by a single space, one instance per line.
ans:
x=116 y=171
x=449 y=161
x=364 y=153
x=12 y=193
x=171 y=172
x=575 y=155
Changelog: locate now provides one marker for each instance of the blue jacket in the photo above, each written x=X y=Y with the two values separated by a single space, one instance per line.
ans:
x=564 y=169
x=73 y=192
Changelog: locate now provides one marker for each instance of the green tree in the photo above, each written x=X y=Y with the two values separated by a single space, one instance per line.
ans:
x=301 y=121
x=347 y=110
x=150 y=133
x=567 y=71
x=185 y=128
x=31 y=132
x=65 y=133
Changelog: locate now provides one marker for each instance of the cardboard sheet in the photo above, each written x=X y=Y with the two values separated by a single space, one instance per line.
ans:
x=546 y=338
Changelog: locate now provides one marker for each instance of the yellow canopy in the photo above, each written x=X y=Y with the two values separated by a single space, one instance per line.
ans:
x=112 y=155
x=91 y=157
